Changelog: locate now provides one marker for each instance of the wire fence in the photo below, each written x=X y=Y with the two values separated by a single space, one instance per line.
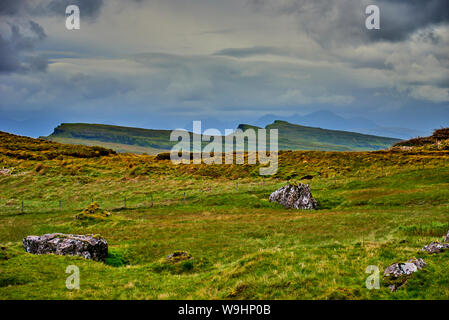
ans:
x=191 y=195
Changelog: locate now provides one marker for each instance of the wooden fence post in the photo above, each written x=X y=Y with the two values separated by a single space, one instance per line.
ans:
x=151 y=200
x=184 y=197
x=124 y=202
x=21 y=208
x=60 y=205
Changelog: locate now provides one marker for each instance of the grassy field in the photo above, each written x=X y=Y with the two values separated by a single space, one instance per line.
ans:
x=375 y=208
x=118 y=147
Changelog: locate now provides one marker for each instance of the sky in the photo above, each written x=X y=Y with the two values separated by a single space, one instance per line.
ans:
x=163 y=63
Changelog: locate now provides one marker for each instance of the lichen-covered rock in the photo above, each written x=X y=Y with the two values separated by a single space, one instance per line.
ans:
x=294 y=196
x=179 y=256
x=397 y=274
x=88 y=246
x=435 y=247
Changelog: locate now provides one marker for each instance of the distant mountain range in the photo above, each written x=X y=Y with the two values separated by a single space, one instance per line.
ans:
x=291 y=137
x=36 y=126
x=329 y=120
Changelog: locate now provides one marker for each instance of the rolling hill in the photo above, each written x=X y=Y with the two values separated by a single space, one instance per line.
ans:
x=297 y=137
x=291 y=137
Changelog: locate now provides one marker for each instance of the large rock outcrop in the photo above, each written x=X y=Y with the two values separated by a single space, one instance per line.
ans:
x=397 y=274
x=87 y=246
x=294 y=196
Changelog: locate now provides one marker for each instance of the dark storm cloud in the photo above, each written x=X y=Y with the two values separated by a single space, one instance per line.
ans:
x=400 y=18
x=38 y=30
x=16 y=50
x=12 y=7
x=19 y=8
x=344 y=20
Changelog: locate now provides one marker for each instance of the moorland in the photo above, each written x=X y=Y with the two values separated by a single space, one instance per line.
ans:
x=375 y=208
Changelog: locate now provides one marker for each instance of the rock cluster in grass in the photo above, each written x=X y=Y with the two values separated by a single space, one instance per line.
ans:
x=87 y=246
x=435 y=247
x=178 y=256
x=295 y=196
x=397 y=274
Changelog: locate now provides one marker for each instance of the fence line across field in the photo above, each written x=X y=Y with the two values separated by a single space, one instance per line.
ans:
x=150 y=200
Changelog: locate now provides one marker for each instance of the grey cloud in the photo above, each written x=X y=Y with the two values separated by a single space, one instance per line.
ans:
x=429 y=36
x=88 y=8
x=248 y=52
x=343 y=21
x=38 y=30
x=19 y=8
x=16 y=51
x=219 y=31
x=400 y=18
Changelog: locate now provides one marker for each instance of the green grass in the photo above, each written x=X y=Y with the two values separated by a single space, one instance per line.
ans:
x=118 y=147
x=375 y=208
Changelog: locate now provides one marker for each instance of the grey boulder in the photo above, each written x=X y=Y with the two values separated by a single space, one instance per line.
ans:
x=87 y=246
x=397 y=274
x=435 y=247
x=295 y=196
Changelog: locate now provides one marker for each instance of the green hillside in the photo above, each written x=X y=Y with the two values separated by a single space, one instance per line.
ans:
x=122 y=139
x=297 y=137
x=291 y=137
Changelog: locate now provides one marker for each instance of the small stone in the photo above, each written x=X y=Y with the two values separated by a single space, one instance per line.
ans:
x=295 y=196
x=179 y=256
